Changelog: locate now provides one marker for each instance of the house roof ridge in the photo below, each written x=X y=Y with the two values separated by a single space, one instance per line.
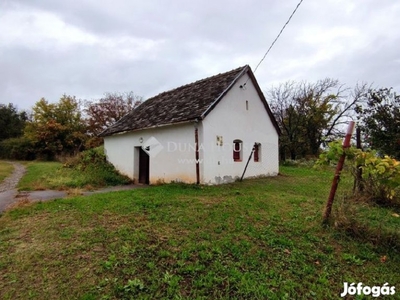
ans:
x=182 y=104
x=198 y=81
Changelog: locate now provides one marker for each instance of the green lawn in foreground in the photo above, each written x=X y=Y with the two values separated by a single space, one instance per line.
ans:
x=259 y=239
x=6 y=170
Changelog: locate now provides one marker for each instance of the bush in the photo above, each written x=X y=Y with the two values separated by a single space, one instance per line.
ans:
x=88 y=158
x=17 y=148
x=98 y=171
x=380 y=176
x=94 y=142
x=302 y=162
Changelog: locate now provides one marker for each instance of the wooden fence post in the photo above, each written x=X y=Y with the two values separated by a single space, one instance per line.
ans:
x=339 y=167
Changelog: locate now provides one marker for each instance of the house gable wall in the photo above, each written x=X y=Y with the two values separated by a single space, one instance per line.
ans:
x=234 y=119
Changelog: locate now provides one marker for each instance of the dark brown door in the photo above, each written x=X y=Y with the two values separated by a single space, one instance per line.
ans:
x=144 y=167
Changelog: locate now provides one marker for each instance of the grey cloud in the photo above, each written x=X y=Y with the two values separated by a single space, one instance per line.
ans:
x=194 y=39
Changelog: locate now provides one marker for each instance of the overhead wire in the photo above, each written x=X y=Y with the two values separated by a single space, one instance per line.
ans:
x=277 y=37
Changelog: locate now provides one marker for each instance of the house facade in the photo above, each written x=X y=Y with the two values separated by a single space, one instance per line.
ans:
x=204 y=132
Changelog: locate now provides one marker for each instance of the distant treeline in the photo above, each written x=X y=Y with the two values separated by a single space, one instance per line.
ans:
x=309 y=116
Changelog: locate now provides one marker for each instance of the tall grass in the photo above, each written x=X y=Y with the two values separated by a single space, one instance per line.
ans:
x=88 y=170
x=6 y=170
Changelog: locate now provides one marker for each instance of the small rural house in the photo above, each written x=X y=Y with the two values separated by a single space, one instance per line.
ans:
x=203 y=132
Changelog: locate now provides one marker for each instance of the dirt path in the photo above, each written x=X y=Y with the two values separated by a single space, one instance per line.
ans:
x=8 y=189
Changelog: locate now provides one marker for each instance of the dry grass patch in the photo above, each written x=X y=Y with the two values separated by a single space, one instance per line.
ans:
x=22 y=202
x=75 y=192
x=6 y=170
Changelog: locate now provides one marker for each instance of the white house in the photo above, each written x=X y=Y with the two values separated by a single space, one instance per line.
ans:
x=202 y=132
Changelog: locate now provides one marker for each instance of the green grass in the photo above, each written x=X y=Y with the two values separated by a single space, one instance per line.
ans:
x=39 y=175
x=52 y=175
x=258 y=239
x=6 y=170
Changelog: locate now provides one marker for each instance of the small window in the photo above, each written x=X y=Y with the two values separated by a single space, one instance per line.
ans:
x=257 y=148
x=237 y=150
x=247 y=105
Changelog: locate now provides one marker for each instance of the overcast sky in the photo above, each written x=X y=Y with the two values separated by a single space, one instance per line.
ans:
x=86 y=48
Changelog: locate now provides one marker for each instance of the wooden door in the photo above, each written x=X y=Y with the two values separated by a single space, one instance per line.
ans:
x=144 y=167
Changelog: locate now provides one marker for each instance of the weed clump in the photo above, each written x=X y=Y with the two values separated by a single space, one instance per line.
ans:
x=96 y=169
x=359 y=218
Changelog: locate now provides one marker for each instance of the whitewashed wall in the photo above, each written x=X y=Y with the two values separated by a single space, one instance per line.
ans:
x=231 y=120
x=175 y=162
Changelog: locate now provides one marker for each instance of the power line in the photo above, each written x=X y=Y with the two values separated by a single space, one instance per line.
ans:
x=277 y=37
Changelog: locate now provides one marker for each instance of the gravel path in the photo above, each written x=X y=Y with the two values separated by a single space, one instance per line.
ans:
x=11 y=181
x=8 y=186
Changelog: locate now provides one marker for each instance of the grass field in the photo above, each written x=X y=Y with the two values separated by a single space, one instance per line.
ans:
x=258 y=239
x=5 y=170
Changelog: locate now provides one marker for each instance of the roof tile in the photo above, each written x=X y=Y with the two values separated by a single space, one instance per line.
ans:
x=183 y=104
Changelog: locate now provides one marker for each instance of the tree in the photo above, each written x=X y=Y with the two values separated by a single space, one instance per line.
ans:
x=380 y=121
x=287 y=113
x=310 y=114
x=56 y=128
x=104 y=112
x=12 y=122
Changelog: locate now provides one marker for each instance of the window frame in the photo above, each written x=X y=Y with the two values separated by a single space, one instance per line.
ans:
x=237 y=150
x=257 y=152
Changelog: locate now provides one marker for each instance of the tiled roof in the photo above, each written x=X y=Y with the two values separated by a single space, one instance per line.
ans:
x=183 y=104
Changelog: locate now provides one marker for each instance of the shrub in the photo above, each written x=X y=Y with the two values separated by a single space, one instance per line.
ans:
x=17 y=148
x=380 y=176
x=94 y=142
x=97 y=169
x=90 y=158
x=303 y=162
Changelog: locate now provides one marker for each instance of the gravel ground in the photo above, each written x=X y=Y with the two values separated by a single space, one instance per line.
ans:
x=11 y=182
x=8 y=186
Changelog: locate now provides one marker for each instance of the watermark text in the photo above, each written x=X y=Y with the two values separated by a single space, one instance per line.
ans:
x=360 y=289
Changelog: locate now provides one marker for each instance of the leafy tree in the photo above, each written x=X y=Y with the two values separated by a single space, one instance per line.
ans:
x=380 y=121
x=310 y=114
x=56 y=128
x=12 y=122
x=104 y=112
